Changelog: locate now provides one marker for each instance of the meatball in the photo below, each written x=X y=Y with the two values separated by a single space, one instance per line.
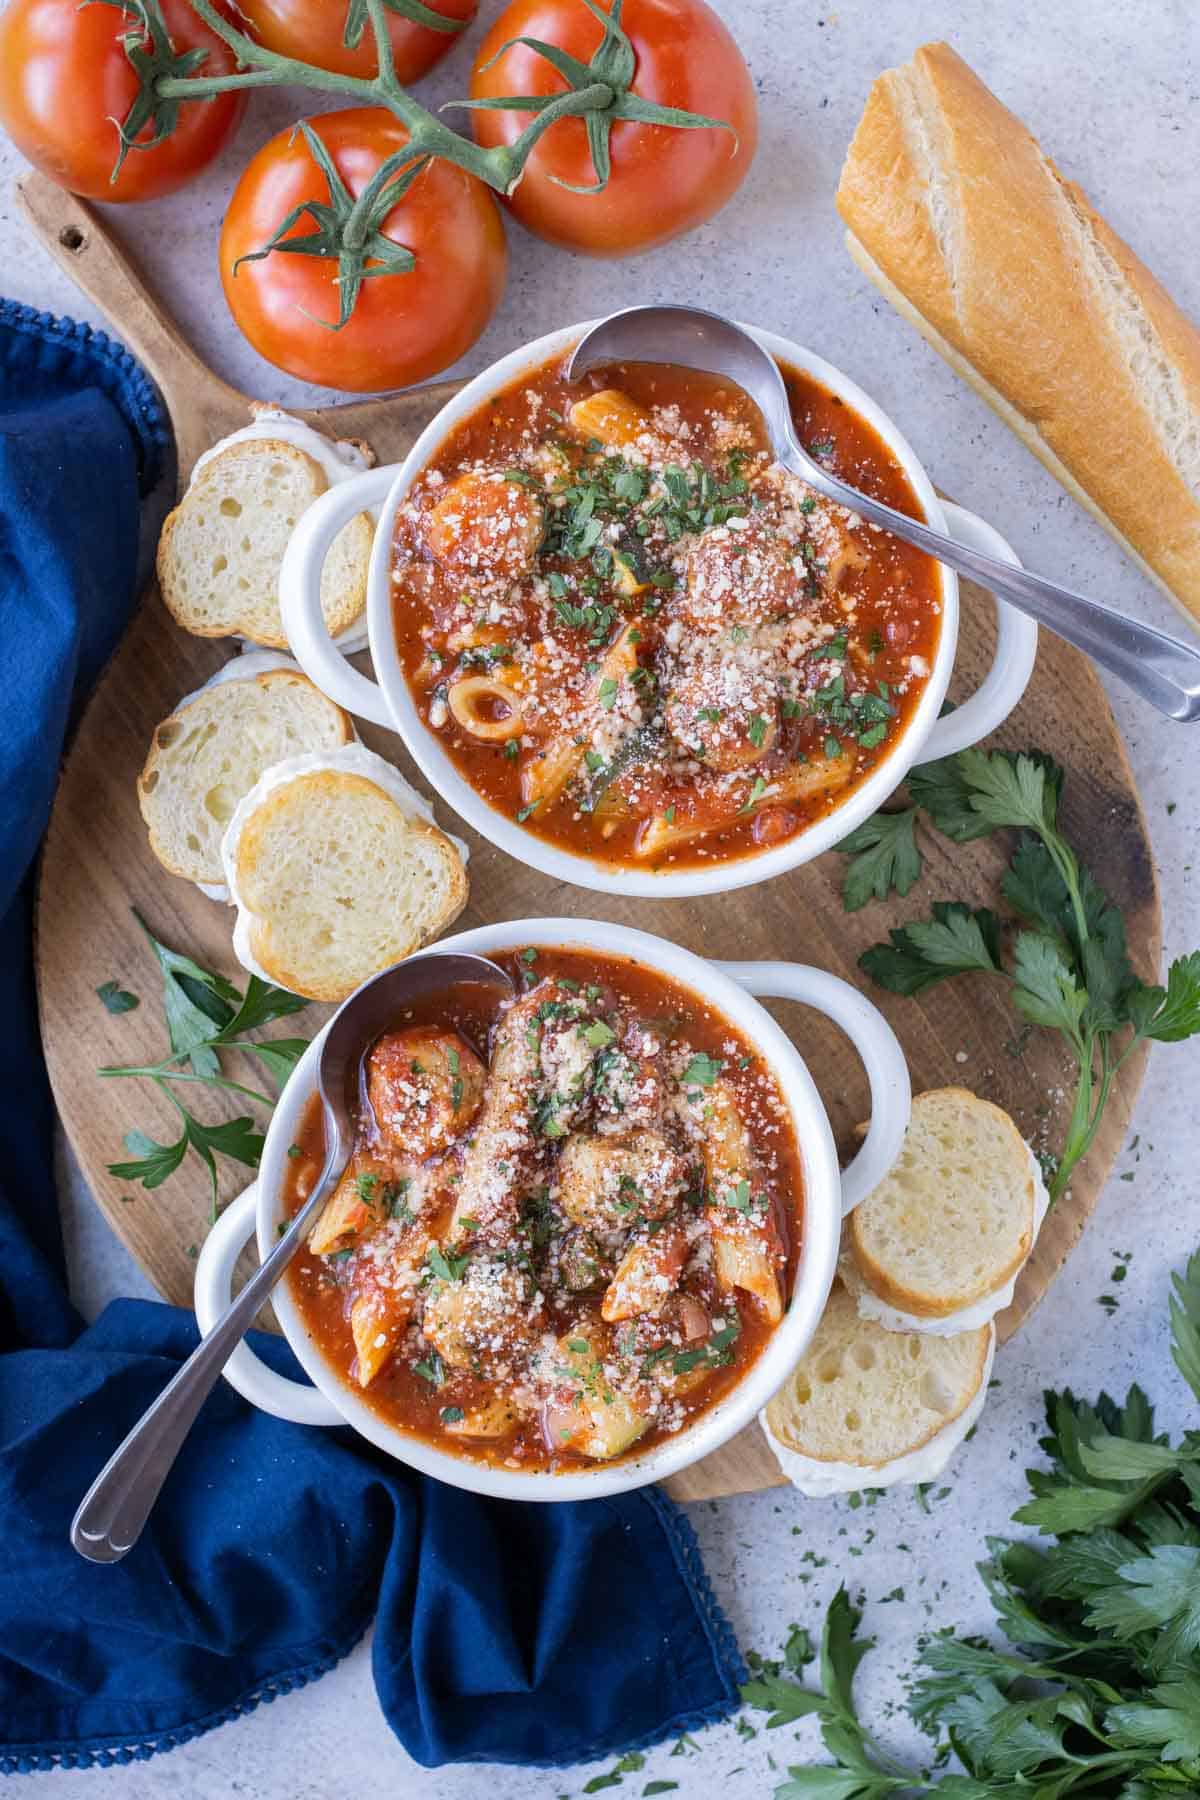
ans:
x=608 y=1183
x=486 y=528
x=424 y=1087
x=487 y=1320
x=745 y=576
x=723 y=707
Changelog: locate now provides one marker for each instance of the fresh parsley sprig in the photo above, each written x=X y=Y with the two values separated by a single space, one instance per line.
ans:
x=862 y=1772
x=206 y=1015
x=1101 y=1694
x=1064 y=957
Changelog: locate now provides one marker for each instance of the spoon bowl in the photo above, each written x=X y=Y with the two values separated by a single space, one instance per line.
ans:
x=1159 y=667
x=115 y=1508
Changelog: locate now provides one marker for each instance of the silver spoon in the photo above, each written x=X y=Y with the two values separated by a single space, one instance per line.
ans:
x=1162 y=669
x=118 y=1503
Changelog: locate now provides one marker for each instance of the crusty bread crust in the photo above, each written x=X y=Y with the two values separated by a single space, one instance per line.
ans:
x=886 y=1283
x=350 y=600
x=265 y=946
x=160 y=746
x=1007 y=270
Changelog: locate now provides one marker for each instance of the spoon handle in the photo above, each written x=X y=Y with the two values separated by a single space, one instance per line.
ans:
x=1161 y=668
x=115 y=1508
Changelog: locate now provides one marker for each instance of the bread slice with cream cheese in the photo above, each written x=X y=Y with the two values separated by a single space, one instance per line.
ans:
x=337 y=870
x=938 y=1245
x=221 y=549
x=866 y=1407
x=256 y=710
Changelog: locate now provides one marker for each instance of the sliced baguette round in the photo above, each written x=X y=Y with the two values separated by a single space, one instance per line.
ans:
x=221 y=549
x=337 y=871
x=954 y=1219
x=217 y=744
x=967 y=1318
x=865 y=1407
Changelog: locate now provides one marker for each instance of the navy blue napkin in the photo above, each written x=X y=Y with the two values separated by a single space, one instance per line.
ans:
x=505 y=1633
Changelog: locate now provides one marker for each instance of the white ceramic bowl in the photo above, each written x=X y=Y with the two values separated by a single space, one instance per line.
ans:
x=389 y=702
x=729 y=987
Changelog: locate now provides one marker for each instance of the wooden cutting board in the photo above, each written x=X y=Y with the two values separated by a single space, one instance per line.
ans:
x=96 y=866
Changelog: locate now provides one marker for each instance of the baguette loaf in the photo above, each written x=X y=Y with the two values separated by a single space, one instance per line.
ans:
x=974 y=236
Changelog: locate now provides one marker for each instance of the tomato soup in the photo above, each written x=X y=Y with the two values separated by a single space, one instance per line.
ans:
x=638 y=636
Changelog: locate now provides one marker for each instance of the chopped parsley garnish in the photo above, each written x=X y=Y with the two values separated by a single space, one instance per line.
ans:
x=757 y=730
x=366 y=1185
x=431 y=1368
x=834 y=651
x=739 y=1197
x=445 y=1265
x=527 y=812
x=598 y=1034
x=452 y=1415
x=702 y=1070
x=456 y=1087
x=608 y=693
x=597 y=621
x=116 y=999
x=757 y=790
x=394 y=1201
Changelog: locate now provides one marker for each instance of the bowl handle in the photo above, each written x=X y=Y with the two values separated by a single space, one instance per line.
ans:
x=213 y=1290
x=1012 y=661
x=876 y=1043
x=300 y=595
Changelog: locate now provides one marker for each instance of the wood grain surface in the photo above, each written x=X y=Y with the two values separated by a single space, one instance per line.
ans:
x=96 y=867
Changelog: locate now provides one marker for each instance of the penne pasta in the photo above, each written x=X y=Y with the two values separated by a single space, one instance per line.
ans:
x=546 y=775
x=802 y=782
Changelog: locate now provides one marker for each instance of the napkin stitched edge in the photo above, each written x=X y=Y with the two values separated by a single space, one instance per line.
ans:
x=109 y=365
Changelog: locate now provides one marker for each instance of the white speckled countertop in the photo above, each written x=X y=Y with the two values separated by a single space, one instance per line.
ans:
x=1113 y=91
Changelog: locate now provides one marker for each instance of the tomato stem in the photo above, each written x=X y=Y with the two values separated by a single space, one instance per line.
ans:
x=499 y=169
x=600 y=93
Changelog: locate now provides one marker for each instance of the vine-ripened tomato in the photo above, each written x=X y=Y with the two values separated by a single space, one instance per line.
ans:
x=65 y=78
x=404 y=327
x=664 y=180
x=313 y=30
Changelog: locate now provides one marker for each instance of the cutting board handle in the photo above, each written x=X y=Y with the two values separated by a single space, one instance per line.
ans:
x=198 y=401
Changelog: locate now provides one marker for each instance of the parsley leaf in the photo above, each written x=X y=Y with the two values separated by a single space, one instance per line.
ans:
x=1185 y=1324
x=1168 y=1015
x=953 y=941
x=206 y=1015
x=1070 y=970
x=884 y=855
x=1045 y=988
